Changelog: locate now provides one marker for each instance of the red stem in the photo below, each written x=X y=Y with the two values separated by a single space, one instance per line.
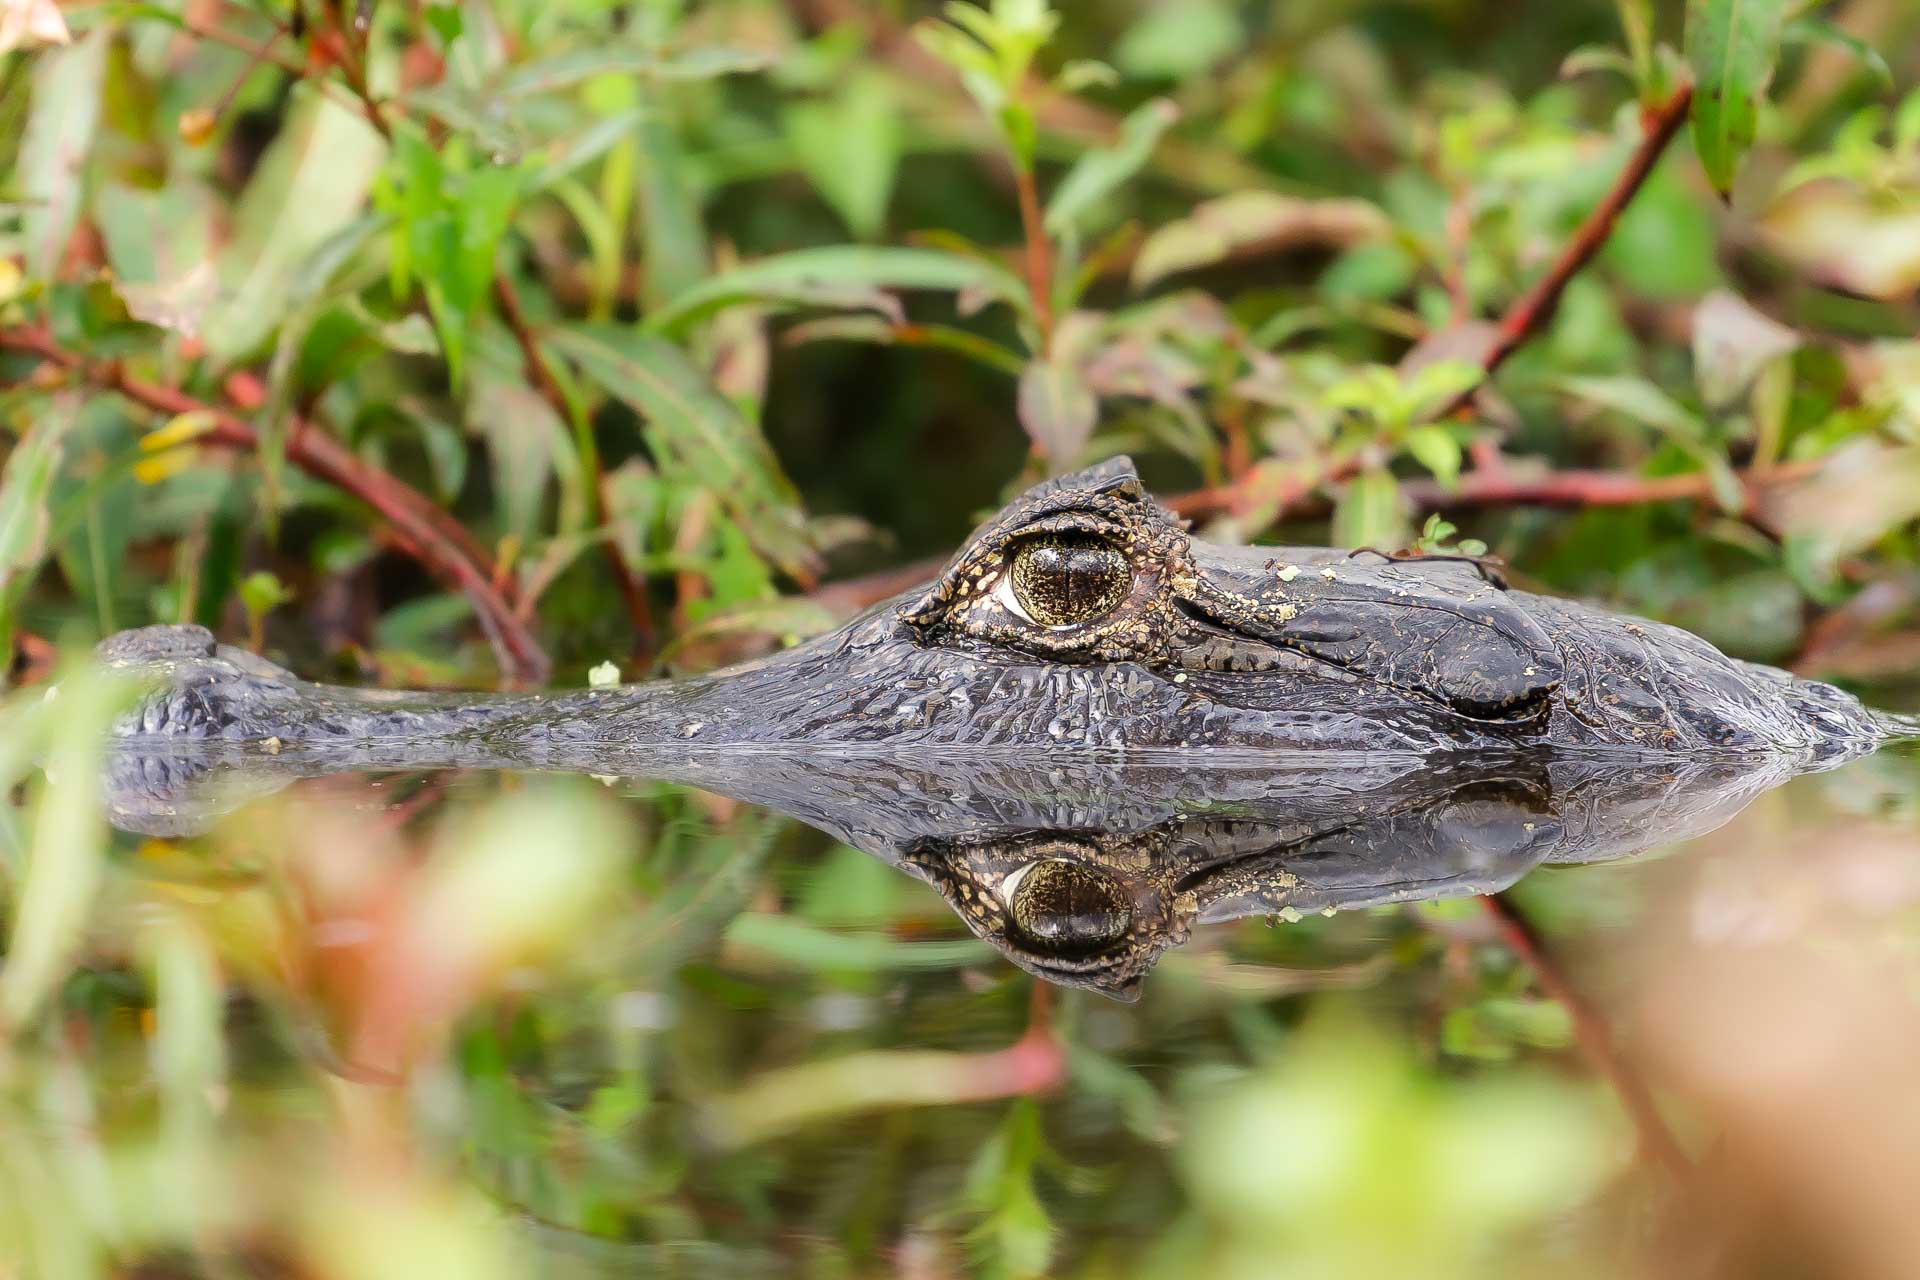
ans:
x=1039 y=256
x=322 y=457
x=1506 y=486
x=1531 y=311
x=1593 y=1036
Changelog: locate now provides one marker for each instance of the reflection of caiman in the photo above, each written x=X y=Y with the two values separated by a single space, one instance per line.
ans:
x=1084 y=615
x=1082 y=868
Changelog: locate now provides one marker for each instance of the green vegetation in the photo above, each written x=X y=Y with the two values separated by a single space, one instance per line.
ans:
x=464 y=343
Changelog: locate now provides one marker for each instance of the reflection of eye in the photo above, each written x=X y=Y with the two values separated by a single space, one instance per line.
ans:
x=1064 y=579
x=1064 y=907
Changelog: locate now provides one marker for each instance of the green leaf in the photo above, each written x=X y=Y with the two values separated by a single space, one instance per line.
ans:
x=69 y=843
x=310 y=186
x=1640 y=400
x=1732 y=46
x=54 y=150
x=672 y=233
x=1819 y=31
x=522 y=433
x=1438 y=385
x=26 y=487
x=261 y=593
x=850 y=150
x=445 y=21
x=786 y=275
x=1100 y=172
x=1369 y=513
x=1373 y=390
x=698 y=438
x=1174 y=41
x=1435 y=449
x=449 y=216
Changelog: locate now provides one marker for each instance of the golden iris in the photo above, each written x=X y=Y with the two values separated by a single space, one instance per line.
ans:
x=1065 y=907
x=1069 y=578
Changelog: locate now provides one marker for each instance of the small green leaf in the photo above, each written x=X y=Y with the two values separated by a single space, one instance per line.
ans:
x=1099 y=172
x=1438 y=385
x=787 y=275
x=1435 y=449
x=1640 y=400
x=26 y=488
x=850 y=149
x=261 y=593
x=523 y=434
x=1178 y=40
x=1732 y=46
x=1374 y=391
x=445 y=21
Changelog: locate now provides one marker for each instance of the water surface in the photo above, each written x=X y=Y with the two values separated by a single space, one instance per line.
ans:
x=758 y=1013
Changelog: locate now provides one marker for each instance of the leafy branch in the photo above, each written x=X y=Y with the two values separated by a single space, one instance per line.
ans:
x=422 y=529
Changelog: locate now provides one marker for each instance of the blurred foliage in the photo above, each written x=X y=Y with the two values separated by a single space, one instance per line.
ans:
x=420 y=341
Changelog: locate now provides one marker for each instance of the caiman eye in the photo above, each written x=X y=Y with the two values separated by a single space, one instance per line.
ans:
x=1066 y=908
x=1065 y=579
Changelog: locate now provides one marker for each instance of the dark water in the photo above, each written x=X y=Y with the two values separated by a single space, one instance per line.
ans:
x=765 y=1013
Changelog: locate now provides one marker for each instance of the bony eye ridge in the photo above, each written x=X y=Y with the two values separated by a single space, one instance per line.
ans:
x=1064 y=579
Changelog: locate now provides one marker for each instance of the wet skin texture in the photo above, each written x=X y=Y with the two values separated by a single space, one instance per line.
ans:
x=1084 y=868
x=1084 y=615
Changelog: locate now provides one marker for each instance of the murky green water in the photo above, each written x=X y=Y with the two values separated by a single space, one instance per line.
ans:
x=479 y=1024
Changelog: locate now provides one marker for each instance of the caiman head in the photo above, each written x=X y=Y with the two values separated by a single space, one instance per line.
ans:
x=1095 y=909
x=1085 y=614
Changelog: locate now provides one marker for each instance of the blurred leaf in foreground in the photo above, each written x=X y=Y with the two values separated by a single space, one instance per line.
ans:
x=68 y=845
x=1345 y=1156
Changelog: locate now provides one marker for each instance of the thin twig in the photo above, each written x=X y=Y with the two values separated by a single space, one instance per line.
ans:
x=322 y=457
x=1039 y=255
x=1512 y=486
x=1531 y=311
x=632 y=589
x=1593 y=1036
x=1505 y=486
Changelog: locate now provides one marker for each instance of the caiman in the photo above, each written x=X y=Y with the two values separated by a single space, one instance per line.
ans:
x=1084 y=615
x=1082 y=867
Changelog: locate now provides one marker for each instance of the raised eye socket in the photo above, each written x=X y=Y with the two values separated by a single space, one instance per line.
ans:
x=1064 y=579
x=1066 y=908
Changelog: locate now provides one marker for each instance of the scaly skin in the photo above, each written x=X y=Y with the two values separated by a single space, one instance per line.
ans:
x=1156 y=842
x=1210 y=646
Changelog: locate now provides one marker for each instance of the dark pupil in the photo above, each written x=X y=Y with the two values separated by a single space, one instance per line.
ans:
x=1065 y=907
x=1067 y=580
